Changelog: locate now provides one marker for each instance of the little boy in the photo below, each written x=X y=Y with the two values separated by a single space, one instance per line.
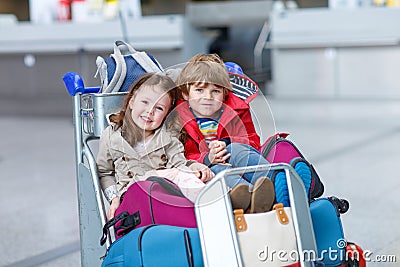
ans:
x=220 y=131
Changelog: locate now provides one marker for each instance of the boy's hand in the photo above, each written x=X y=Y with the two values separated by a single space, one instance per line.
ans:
x=115 y=202
x=202 y=172
x=218 y=153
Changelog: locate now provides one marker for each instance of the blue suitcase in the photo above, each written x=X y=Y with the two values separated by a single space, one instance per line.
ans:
x=328 y=230
x=158 y=246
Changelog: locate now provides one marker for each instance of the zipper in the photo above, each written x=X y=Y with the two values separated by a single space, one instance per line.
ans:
x=151 y=202
x=141 y=235
x=269 y=146
x=189 y=253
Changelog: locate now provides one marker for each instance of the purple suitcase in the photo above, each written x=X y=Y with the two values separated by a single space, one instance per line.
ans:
x=154 y=201
x=278 y=149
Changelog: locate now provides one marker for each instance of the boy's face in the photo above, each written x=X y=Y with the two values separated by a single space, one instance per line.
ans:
x=205 y=99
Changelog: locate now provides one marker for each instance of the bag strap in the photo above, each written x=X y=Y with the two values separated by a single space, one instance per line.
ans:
x=124 y=48
x=164 y=183
x=281 y=214
x=128 y=222
x=142 y=58
x=120 y=68
x=102 y=70
x=169 y=186
x=240 y=220
x=146 y=62
x=110 y=223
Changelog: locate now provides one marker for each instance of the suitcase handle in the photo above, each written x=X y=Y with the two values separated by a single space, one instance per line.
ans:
x=130 y=221
x=110 y=223
x=169 y=186
x=341 y=204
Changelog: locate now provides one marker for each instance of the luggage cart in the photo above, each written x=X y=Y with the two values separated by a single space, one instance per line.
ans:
x=90 y=110
x=215 y=218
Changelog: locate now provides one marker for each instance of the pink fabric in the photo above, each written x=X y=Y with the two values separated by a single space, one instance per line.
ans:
x=167 y=209
x=187 y=182
x=286 y=153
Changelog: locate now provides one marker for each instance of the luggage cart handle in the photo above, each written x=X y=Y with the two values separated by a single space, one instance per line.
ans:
x=74 y=84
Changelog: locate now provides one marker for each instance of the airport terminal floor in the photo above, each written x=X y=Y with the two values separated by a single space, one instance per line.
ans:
x=353 y=143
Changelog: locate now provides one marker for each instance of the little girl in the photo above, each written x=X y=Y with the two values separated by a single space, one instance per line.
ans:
x=142 y=141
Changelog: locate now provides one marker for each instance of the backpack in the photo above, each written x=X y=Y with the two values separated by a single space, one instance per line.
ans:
x=123 y=67
x=278 y=149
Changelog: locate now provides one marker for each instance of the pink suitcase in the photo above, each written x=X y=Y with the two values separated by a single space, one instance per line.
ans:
x=154 y=201
x=278 y=149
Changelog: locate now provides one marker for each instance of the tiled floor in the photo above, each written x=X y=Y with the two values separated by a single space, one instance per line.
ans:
x=354 y=145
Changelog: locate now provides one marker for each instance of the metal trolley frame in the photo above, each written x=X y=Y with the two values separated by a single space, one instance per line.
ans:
x=90 y=111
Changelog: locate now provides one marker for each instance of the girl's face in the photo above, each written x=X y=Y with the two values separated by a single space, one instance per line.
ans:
x=150 y=105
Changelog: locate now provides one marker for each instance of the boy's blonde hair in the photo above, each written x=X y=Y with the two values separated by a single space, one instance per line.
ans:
x=204 y=69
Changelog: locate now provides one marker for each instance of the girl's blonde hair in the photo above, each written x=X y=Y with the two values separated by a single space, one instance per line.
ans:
x=130 y=131
x=204 y=69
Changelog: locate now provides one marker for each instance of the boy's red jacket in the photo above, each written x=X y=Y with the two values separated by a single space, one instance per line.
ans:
x=235 y=123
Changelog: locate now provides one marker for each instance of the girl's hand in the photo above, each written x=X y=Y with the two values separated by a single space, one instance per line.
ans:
x=202 y=171
x=115 y=202
x=218 y=153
